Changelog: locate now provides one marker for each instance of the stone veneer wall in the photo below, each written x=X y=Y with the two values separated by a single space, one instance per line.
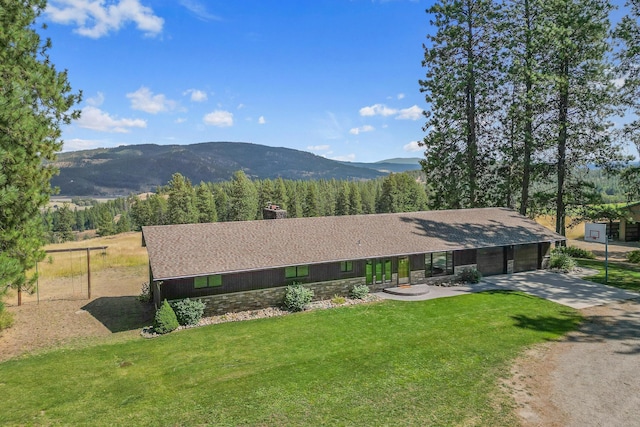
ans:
x=273 y=297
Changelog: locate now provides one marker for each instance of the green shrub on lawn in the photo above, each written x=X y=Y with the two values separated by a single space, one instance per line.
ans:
x=165 y=320
x=188 y=312
x=470 y=275
x=297 y=297
x=360 y=291
x=6 y=318
x=575 y=252
x=634 y=256
x=562 y=261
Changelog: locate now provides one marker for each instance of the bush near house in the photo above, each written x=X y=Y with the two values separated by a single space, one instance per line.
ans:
x=188 y=312
x=359 y=291
x=575 y=252
x=297 y=297
x=561 y=261
x=634 y=256
x=165 y=320
x=470 y=275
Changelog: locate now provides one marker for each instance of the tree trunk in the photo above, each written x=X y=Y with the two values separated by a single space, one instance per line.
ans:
x=528 y=116
x=563 y=109
x=472 y=143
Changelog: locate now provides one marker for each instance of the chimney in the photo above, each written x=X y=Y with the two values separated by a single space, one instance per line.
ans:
x=273 y=211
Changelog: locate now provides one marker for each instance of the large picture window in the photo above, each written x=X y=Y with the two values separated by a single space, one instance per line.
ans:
x=296 y=271
x=346 y=266
x=438 y=264
x=207 y=281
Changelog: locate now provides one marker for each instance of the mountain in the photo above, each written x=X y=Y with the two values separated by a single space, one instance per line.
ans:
x=395 y=165
x=138 y=168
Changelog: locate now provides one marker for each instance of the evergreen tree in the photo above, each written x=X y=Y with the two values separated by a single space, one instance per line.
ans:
x=280 y=194
x=355 y=200
x=343 y=205
x=181 y=203
x=222 y=203
x=243 y=200
x=205 y=205
x=105 y=226
x=158 y=208
x=310 y=207
x=124 y=223
x=389 y=196
x=35 y=100
x=64 y=219
x=460 y=88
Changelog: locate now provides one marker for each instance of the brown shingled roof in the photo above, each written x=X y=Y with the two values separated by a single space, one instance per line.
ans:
x=199 y=249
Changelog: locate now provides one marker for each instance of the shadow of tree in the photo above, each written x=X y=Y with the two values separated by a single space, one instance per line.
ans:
x=120 y=314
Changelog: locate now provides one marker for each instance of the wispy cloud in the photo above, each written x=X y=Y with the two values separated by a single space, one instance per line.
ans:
x=411 y=113
x=413 y=146
x=144 y=100
x=95 y=19
x=262 y=120
x=219 y=118
x=361 y=129
x=95 y=119
x=347 y=158
x=200 y=10
x=318 y=147
x=196 y=95
x=80 y=144
x=97 y=100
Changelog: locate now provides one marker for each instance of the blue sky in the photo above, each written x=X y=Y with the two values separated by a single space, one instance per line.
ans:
x=334 y=77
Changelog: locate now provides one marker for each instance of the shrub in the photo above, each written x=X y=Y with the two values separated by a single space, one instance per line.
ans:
x=634 y=256
x=574 y=252
x=165 y=320
x=145 y=293
x=470 y=275
x=360 y=291
x=189 y=312
x=6 y=318
x=338 y=299
x=297 y=297
x=562 y=261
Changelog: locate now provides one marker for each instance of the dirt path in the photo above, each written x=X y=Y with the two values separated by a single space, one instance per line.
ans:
x=592 y=376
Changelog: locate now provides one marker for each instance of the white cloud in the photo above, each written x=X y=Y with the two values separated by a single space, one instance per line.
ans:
x=96 y=119
x=262 y=120
x=219 y=118
x=318 y=147
x=377 y=110
x=240 y=106
x=96 y=19
x=196 y=95
x=80 y=144
x=348 y=158
x=411 y=113
x=97 y=100
x=365 y=128
x=413 y=146
x=144 y=100
x=199 y=9
x=180 y=120
x=400 y=96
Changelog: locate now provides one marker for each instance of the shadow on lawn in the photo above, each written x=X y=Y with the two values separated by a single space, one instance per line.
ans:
x=120 y=314
x=622 y=325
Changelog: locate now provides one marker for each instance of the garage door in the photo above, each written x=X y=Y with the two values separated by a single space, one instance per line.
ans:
x=525 y=257
x=491 y=261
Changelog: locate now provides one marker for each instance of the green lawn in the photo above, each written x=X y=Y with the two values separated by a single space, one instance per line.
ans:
x=422 y=363
x=623 y=276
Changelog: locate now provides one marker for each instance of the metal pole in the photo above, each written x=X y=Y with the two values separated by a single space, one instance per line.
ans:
x=89 y=272
x=606 y=260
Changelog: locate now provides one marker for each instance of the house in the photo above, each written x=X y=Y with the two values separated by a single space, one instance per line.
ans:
x=627 y=229
x=247 y=265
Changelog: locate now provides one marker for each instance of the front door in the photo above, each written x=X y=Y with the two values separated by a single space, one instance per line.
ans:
x=403 y=270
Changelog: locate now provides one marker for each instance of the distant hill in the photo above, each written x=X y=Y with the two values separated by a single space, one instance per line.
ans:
x=400 y=164
x=138 y=168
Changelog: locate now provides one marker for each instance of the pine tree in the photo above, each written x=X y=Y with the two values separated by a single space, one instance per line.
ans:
x=311 y=205
x=343 y=205
x=355 y=200
x=64 y=220
x=280 y=194
x=181 y=203
x=243 y=200
x=205 y=205
x=460 y=87
x=35 y=100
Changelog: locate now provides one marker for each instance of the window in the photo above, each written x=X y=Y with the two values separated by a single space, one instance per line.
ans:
x=346 y=266
x=296 y=271
x=207 y=281
x=438 y=264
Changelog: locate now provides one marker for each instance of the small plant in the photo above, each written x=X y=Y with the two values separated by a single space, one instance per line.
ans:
x=574 y=252
x=165 y=320
x=189 y=312
x=360 y=291
x=634 y=256
x=470 y=275
x=145 y=293
x=297 y=297
x=6 y=318
x=562 y=261
x=338 y=300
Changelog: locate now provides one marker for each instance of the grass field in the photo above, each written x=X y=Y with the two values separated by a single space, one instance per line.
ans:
x=623 y=276
x=435 y=362
x=124 y=250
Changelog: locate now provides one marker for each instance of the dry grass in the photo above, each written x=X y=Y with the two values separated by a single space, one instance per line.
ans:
x=124 y=250
x=575 y=232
